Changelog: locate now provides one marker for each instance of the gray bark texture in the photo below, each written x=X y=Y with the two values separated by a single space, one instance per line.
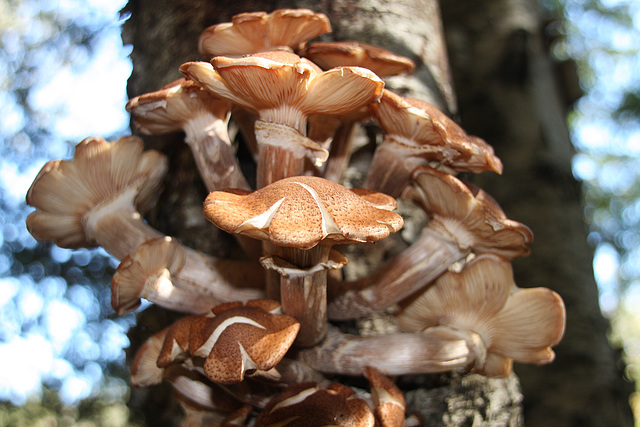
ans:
x=508 y=95
x=511 y=93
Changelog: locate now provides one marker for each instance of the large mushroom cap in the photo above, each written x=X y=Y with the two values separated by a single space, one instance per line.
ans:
x=307 y=405
x=300 y=212
x=282 y=87
x=467 y=214
x=513 y=323
x=65 y=191
x=258 y=31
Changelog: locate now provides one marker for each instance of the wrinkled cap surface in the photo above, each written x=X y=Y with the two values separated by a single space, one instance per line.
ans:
x=99 y=173
x=467 y=214
x=172 y=107
x=420 y=129
x=349 y=53
x=514 y=323
x=258 y=31
x=301 y=212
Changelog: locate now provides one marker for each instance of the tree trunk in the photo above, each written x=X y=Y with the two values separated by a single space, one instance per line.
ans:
x=510 y=93
x=164 y=35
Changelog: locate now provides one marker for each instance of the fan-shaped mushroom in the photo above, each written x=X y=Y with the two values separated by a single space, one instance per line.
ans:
x=463 y=219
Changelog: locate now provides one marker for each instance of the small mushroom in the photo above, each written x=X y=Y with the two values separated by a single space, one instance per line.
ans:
x=299 y=219
x=284 y=91
x=463 y=220
x=389 y=403
x=306 y=404
x=175 y=277
x=184 y=106
x=417 y=133
x=247 y=33
x=351 y=53
x=97 y=198
x=482 y=299
x=233 y=340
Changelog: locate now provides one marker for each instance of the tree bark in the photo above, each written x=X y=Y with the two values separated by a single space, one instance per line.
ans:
x=510 y=93
x=164 y=35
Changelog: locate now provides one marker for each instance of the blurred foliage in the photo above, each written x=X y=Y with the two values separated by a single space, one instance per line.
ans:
x=56 y=324
x=50 y=412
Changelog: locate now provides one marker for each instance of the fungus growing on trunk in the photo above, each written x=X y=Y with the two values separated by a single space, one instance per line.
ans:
x=97 y=198
x=416 y=134
x=512 y=323
x=247 y=33
x=184 y=106
x=299 y=219
x=284 y=91
x=463 y=220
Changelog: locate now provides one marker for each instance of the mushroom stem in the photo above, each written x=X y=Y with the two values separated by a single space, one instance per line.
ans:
x=390 y=169
x=341 y=149
x=437 y=349
x=117 y=226
x=303 y=287
x=161 y=291
x=282 y=152
x=413 y=269
x=213 y=153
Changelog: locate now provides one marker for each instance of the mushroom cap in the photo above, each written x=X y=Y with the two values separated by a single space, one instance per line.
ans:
x=258 y=31
x=154 y=260
x=301 y=212
x=513 y=323
x=65 y=191
x=467 y=214
x=389 y=403
x=271 y=83
x=172 y=107
x=350 y=53
x=242 y=337
x=307 y=405
x=144 y=371
x=419 y=129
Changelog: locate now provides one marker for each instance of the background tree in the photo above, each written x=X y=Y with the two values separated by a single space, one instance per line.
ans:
x=510 y=94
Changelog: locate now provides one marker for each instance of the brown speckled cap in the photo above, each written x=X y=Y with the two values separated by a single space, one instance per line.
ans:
x=300 y=212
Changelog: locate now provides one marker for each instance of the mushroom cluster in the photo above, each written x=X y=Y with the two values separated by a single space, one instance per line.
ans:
x=264 y=340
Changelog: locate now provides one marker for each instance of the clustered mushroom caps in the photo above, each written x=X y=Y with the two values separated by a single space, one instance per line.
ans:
x=239 y=359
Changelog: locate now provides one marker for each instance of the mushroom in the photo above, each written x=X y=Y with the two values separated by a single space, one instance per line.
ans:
x=476 y=319
x=306 y=404
x=97 y=198
x=351 y=53
x=463 y=220
x=184 y=106
x=389 y=403
x=417 y=133
x=284 y=90
x=483 y=300
x=173 y=276
x=247 y=33
x=233 y=340
x=299 y=219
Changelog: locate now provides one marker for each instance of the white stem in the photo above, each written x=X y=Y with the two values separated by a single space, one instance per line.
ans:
x=413 y=269
x=435 y=350
x=213 y=153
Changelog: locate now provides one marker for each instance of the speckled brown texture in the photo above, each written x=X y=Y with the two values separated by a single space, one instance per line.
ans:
x=298 y=221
